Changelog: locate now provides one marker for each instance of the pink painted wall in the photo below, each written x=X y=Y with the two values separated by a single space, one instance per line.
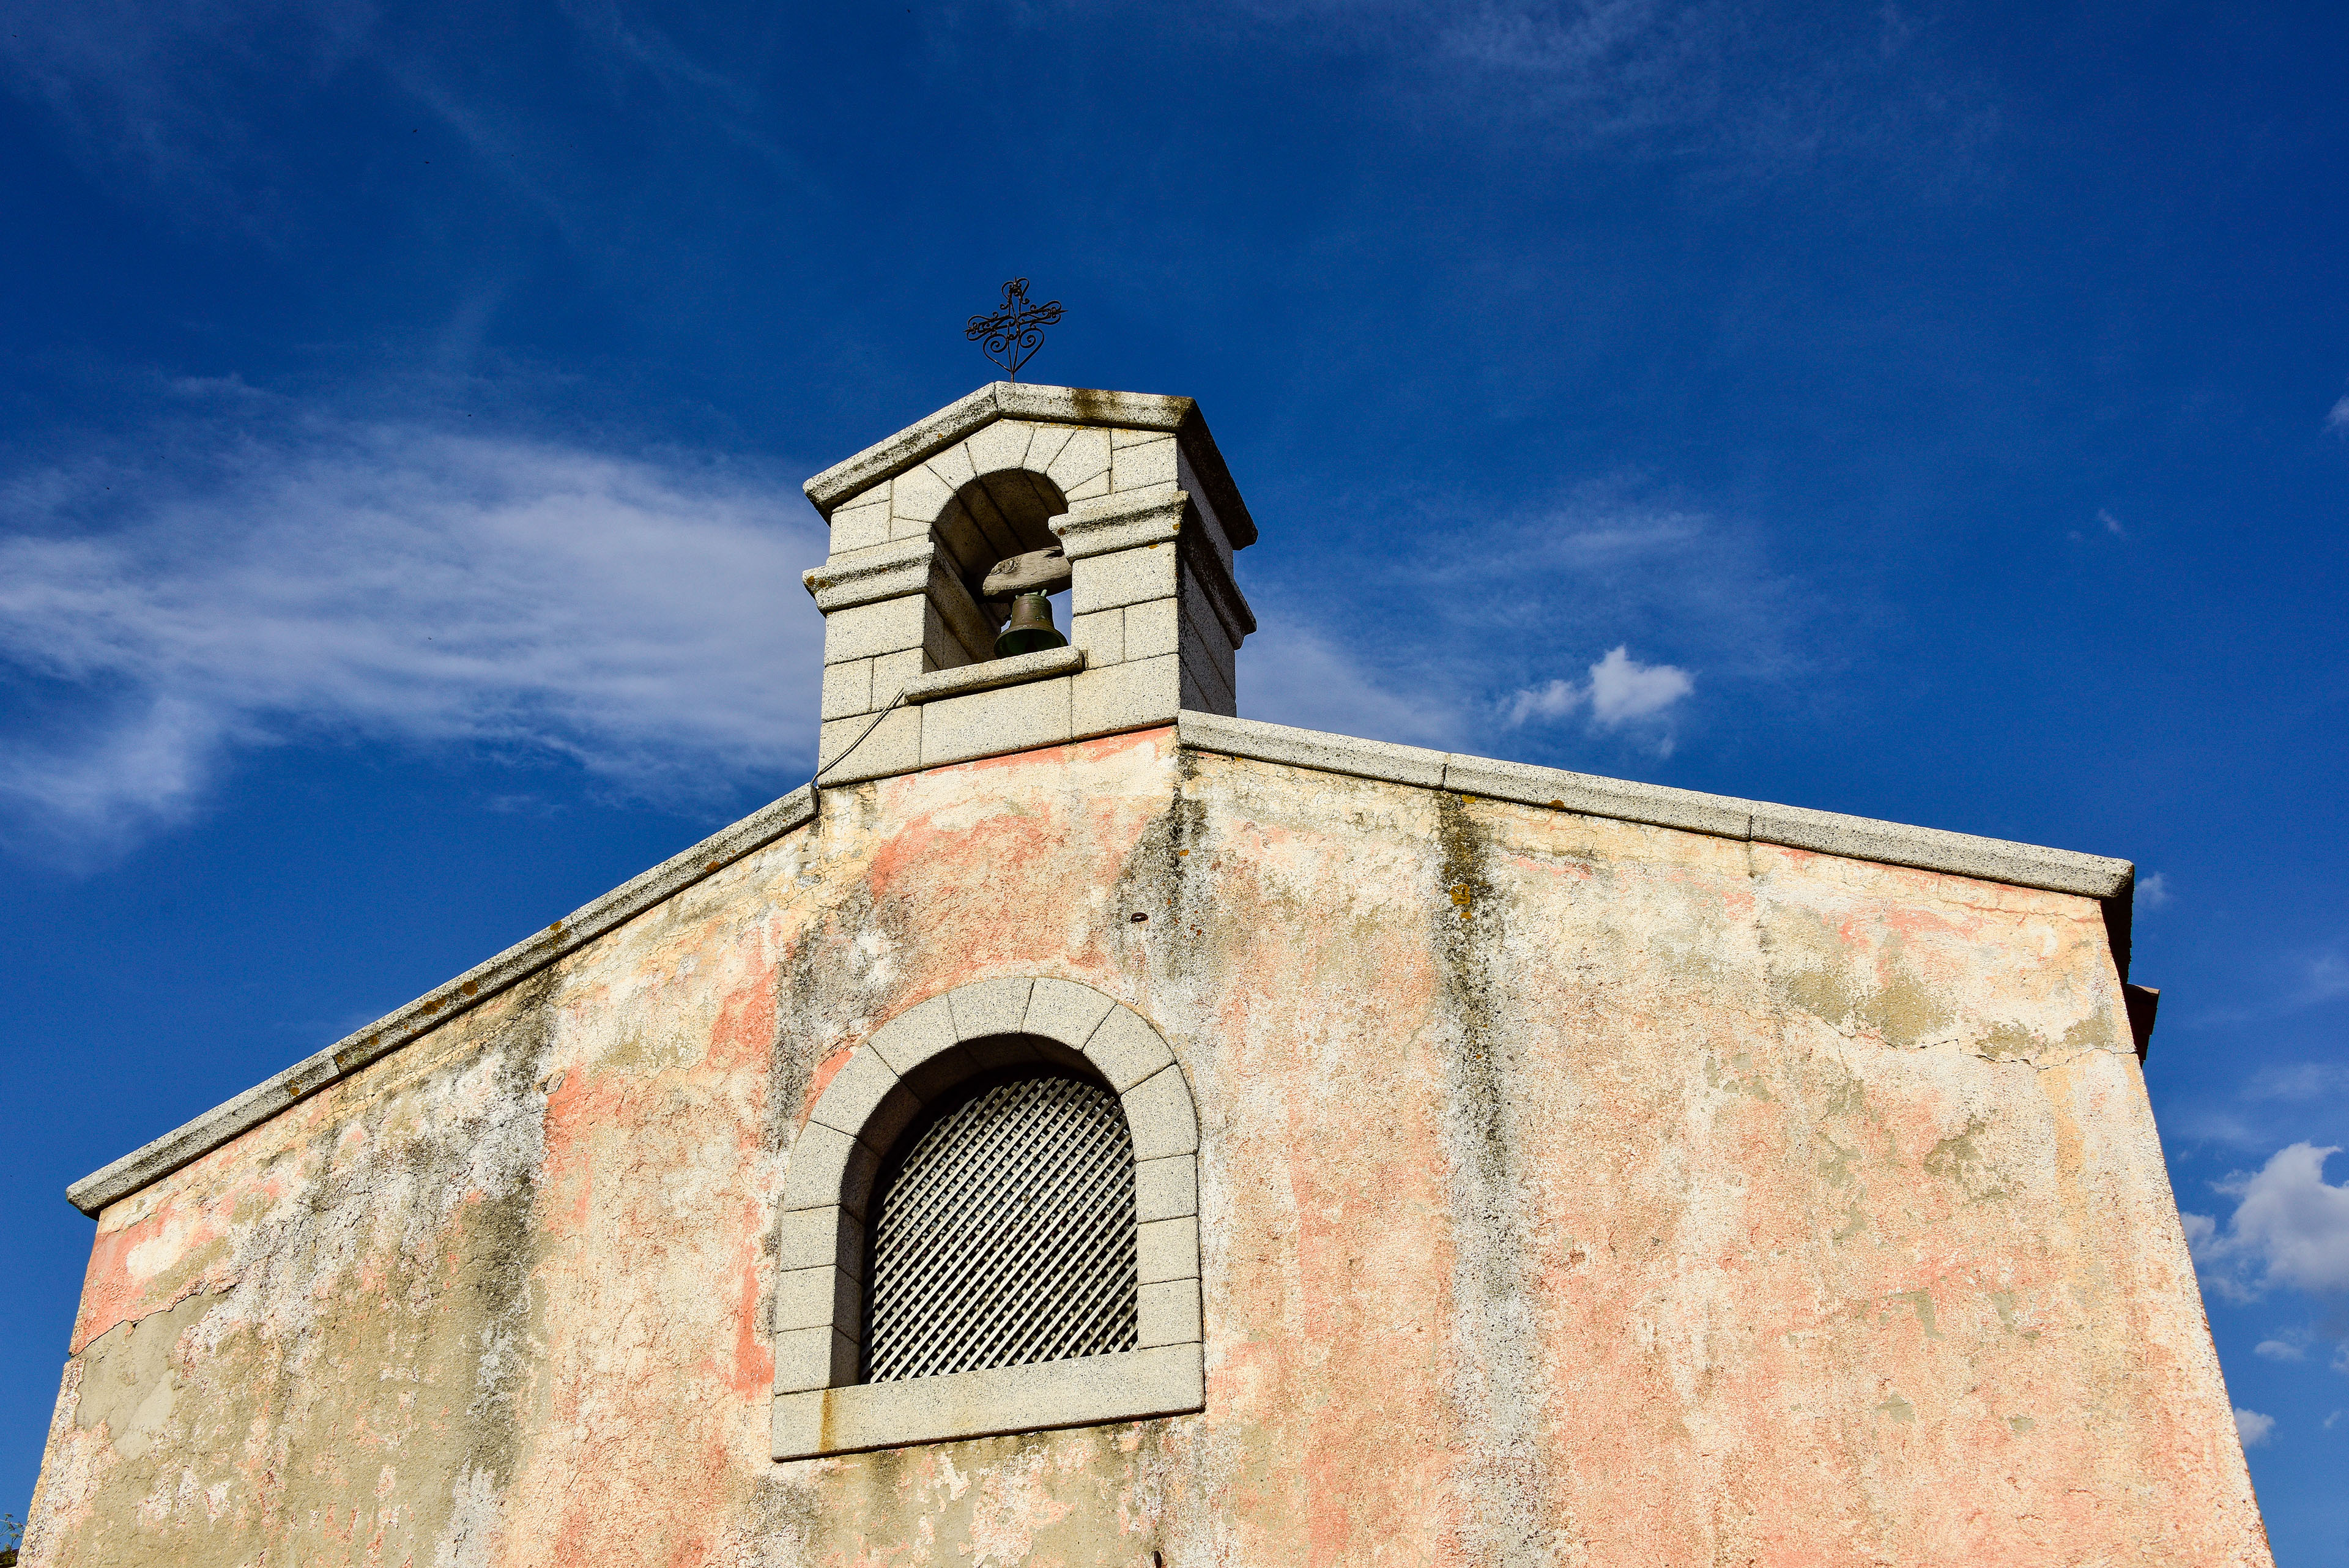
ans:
x=1572 y=1192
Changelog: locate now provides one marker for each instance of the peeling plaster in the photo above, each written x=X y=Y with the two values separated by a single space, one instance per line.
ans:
x=1572 y=1191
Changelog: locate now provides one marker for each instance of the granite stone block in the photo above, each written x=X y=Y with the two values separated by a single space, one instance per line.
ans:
x=990 y=723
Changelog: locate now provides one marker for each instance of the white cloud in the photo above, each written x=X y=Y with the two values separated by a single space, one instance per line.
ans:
x=2338 y=420
x=1554 y=700
x=2252 y=1427
x=2333 y=1421
x=2290 y=1228
x=2153 y=892
x=1621 y=691
x=643 y=617
x=2112 y=524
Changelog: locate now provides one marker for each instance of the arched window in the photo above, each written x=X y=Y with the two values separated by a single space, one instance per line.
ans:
x=1002 y=1232
x=990 y=1223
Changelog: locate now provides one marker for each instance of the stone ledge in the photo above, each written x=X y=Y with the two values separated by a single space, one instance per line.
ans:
x=1003 y=719
x=1129 y=1386
x=1824 y=832
x=867 y=576
x=199 y=1138
x=994 y=672
x=1127 y=520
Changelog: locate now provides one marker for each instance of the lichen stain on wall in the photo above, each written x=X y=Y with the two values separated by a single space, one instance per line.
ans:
x=349 y=1355
x=1572 y=1192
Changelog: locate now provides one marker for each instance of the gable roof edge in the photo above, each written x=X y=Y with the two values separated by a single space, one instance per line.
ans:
x=2111 y=881
x=2095 y=877
x=191 y=1141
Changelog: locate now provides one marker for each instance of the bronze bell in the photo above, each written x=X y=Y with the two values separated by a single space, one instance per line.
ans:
x=1032 y=629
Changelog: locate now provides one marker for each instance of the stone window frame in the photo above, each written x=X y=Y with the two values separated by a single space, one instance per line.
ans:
x=923 y=1055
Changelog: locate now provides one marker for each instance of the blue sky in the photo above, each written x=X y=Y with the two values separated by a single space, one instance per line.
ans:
x=1941 y=414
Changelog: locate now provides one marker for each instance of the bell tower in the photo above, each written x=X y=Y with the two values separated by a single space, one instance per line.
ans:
x=1119 y=499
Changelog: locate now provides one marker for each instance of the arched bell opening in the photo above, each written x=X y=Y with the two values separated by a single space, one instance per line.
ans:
x=993 y=521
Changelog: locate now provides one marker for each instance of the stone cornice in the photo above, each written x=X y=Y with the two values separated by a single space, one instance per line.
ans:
x=1795 y=828
x=1135 y=518
x=884 y=572
x=1045 y=405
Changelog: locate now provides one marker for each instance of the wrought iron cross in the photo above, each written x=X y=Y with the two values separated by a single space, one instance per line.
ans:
x=1012 y=334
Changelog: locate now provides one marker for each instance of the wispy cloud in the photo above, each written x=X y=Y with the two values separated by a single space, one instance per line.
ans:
x=640 y=616
x=1603 y=568
x=2325 y=975
x=1699 y=82
x=2298 y=977
x=2112 y=524
x=2294 y=1345
x=2289 y=1229
x=2153 y=892
x=2338 y=420
x=168 y=89
x=2262 y=1108
x=190 y=98
x=1659 y=573
x=1682 y=78
x=1620 y=66
x=1294 y=674
x=2296 y=1081
x=2253 y=1428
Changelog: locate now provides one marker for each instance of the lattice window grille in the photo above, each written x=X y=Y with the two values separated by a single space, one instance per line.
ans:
x=1004 y=1235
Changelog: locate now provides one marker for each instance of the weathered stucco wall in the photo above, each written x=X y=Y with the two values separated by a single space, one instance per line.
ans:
x=1572 y=1192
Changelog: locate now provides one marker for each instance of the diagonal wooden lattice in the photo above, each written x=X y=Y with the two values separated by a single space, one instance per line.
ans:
x=1005 y=1235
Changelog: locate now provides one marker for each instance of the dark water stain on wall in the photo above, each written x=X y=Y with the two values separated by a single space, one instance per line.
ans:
x=1515 y=1513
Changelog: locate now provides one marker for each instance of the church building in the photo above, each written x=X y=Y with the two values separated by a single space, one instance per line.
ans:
x=1087 y=1127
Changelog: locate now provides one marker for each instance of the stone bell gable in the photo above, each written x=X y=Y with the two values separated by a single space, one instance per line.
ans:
x=1129 y=485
